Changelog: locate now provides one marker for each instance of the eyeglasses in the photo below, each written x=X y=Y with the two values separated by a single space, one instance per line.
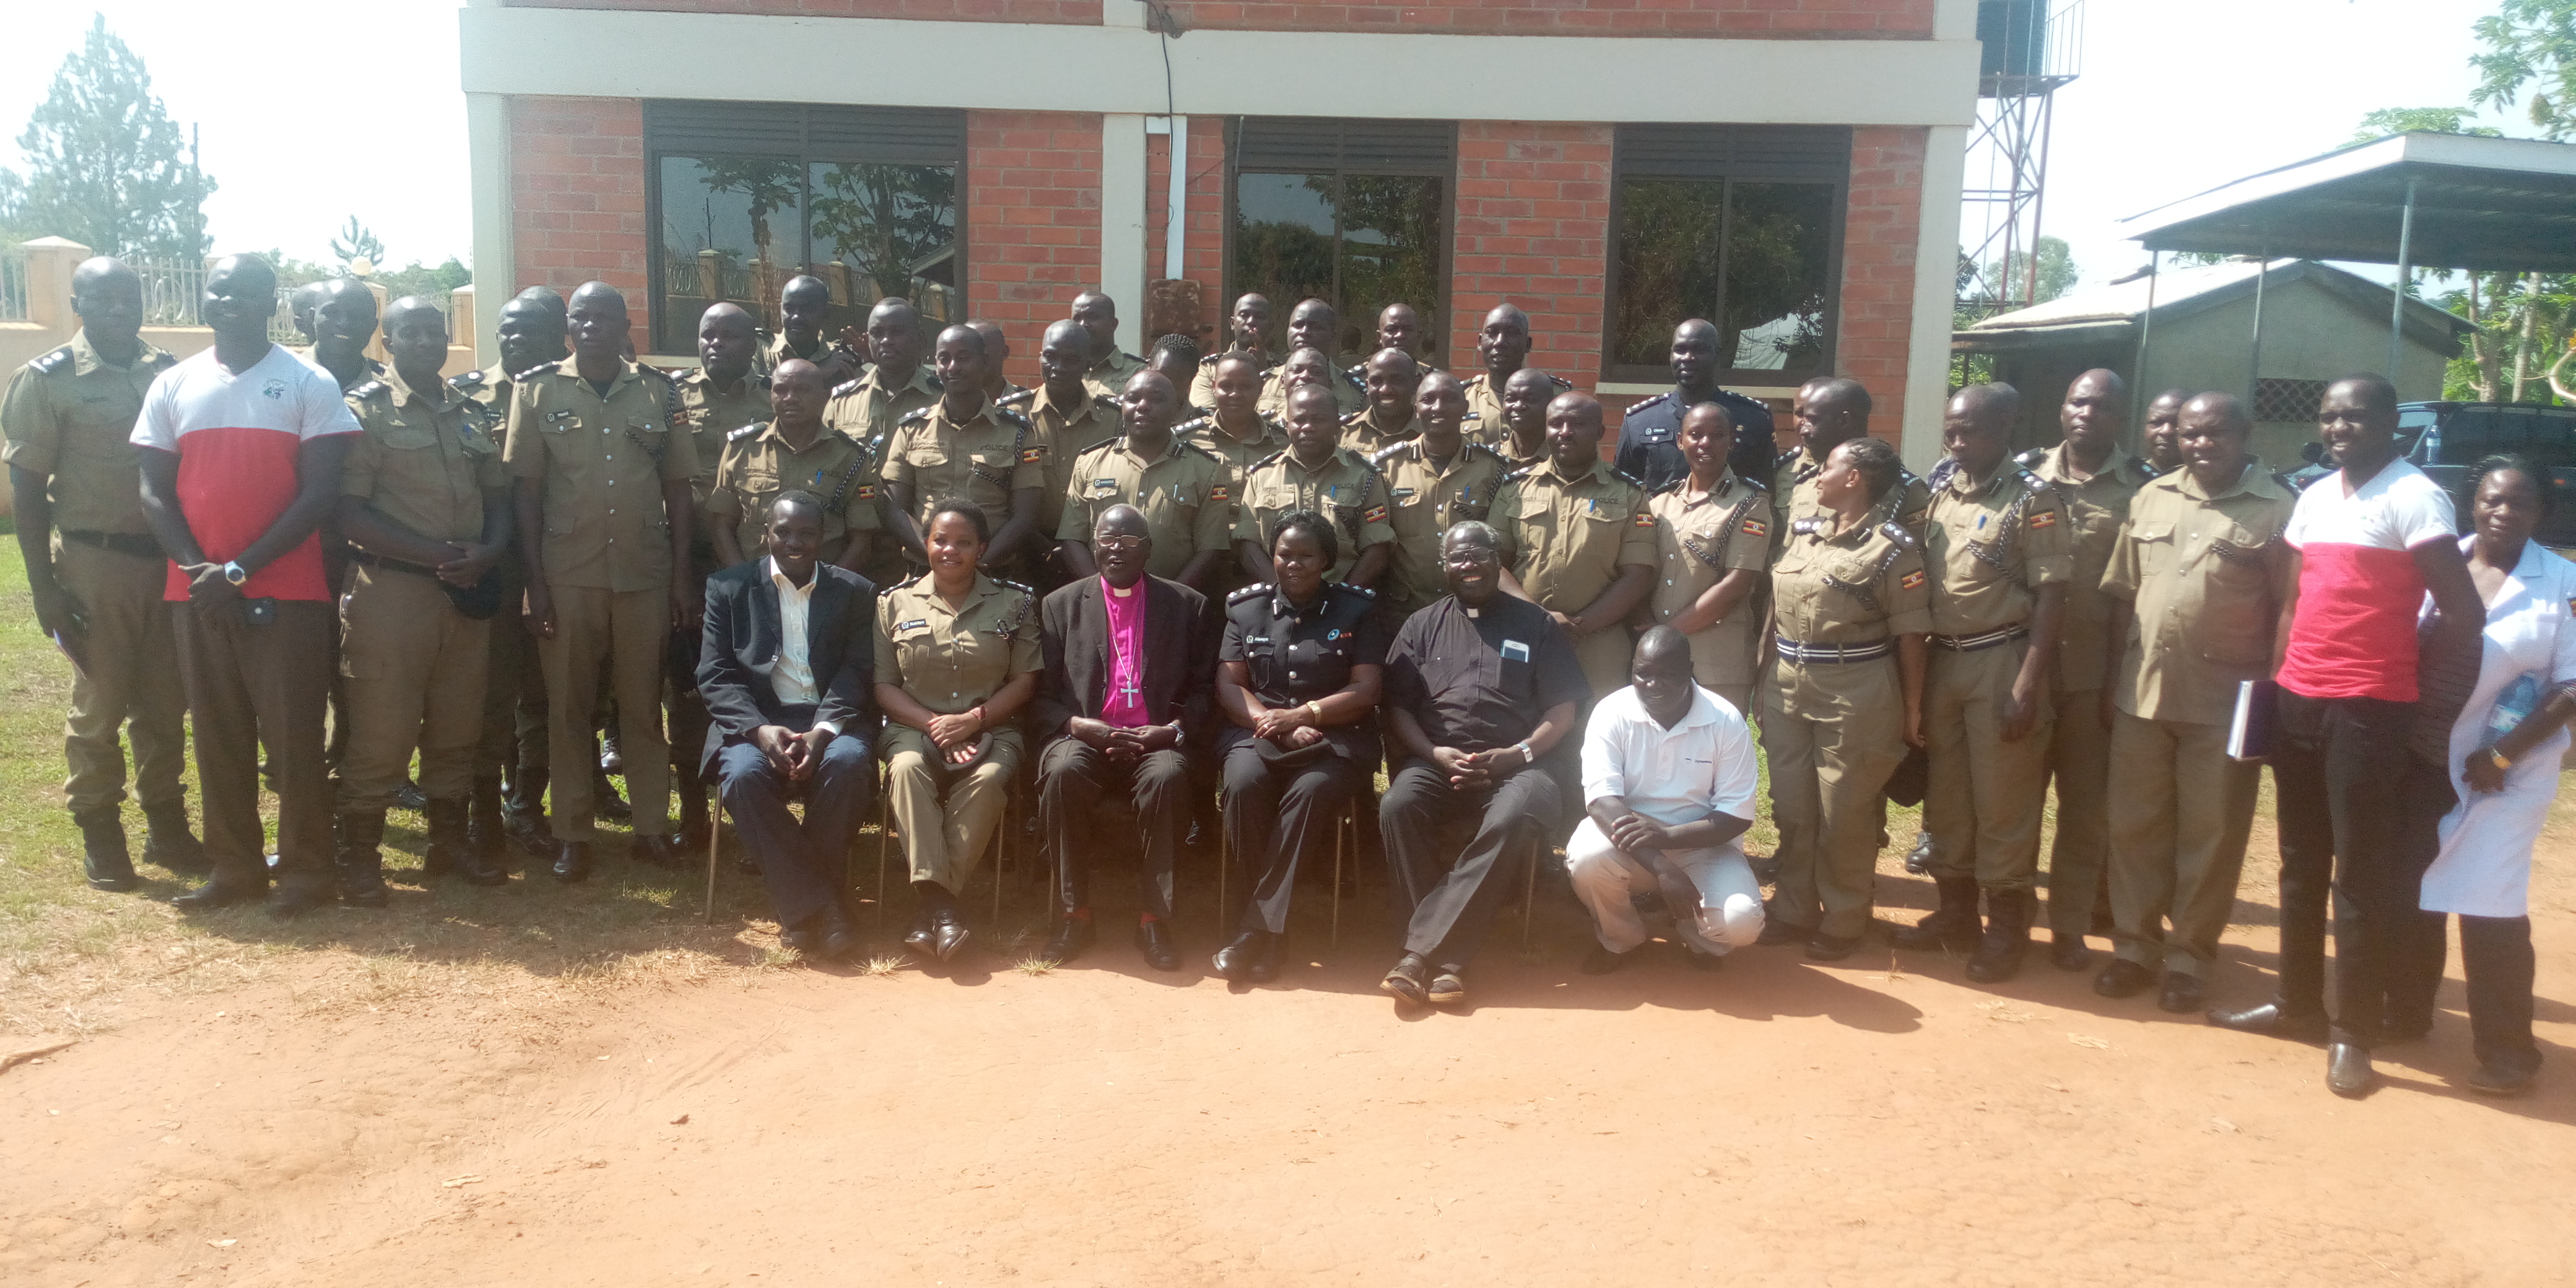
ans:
x=1118 y=543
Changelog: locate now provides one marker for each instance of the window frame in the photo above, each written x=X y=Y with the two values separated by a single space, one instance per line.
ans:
x=1343 y=166
x=1730 y=165
x=685 y=128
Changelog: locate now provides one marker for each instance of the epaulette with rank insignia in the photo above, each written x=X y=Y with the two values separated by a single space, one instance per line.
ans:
x=1193 y=425
x=918 y=416
x=1271 y=419
x=1188 y=446
x=554 y=368
x=1519 y=474
x=1015 y=399
x=1941 y=473
x=1807 y=526
x=2032 y=459
x=1562 y=384
x=1627 y=478
x=470 y=380
x=1473 y=448
x=53 y=362
x=1210 y=360
x=1390 y=450
x=2034 y=482
x=1251 y=592
x=746 y=431
x=933 y=378
x=1354 y=416
x=2150 y=471
x=1104 y=445
x=1013 y=415
x=1898 y=533
x=1361 y=591
x=847 y=387
x=1267 y=460
x=369 y=389
x=1357 y=372
x=1634 y=408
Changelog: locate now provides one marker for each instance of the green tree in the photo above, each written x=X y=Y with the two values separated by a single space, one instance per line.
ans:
x=107 y=167
x=2009 y=276
x=890 y=222
x=356 y=242
x=2427 y=120
x=2530 y=45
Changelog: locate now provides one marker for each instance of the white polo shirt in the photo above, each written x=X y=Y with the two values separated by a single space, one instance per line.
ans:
x=1703 y=763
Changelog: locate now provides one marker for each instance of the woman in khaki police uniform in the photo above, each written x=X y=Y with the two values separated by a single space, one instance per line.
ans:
x=957 y=657
x=1850 y=604
x=1712 y=537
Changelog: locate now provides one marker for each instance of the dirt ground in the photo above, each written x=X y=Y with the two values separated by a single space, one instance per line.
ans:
x=1876 y=1121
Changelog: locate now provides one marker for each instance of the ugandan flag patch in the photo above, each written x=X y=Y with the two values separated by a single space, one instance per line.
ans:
x=867 y=491
x=1375 y=514
x=1031 y=456
x=1756 y=528
x=1911 y=581
x=1643 y=520
x=2044 y=519
x=1218 y=493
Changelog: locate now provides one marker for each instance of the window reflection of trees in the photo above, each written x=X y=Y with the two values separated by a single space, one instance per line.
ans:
x=867 y=230
x=1360 y=241
x=894 y=226
x=1759 y=270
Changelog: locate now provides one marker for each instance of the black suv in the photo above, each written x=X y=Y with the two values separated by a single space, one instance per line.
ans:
x=2447 y=439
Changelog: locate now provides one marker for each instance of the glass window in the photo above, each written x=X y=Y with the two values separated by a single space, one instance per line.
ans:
x=733 y=228
x=881 y=230
x=1352 y=212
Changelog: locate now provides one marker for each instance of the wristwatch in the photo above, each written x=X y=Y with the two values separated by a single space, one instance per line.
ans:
x=2498 y=759
x=235 y=573
x=1528 y=757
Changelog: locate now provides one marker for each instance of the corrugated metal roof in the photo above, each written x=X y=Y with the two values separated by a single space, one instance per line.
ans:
x=2112 y=312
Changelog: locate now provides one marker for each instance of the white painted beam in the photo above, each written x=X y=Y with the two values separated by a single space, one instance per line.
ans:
x=1122 y=222
x=1936 y=268
x=487 y=135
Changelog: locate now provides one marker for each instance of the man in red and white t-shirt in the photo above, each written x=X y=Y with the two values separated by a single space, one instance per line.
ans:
x=2366 y=543
x=241 y=464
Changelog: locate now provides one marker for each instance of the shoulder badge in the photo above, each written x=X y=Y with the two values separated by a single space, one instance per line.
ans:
x=1627 y=478
x=56 y=361
x=1254 y=591
x=1188 y=446
x=1354 y=416
x=2150 y=472
x=470 y=380
x=1562 y=384
x=1016 y=398
x=846 y=387
x=1011 y=415
x=1004 y=581
x=1210 y=360
x=1941 y=473
x=1272 y=421
x=2032 y=459
x=1673 y=486
x=1390 y=450
x=1898 y=534
x=916 y=417
x=746 y=431
x=1519 y=474
x=2032 y=481
x=1266 y=460
x=1499 y=459
x=1104 y=445
x=1192 y=425
x=1476 y=381
x=1362 y=591
x=1634 y=408
x=1357 y=372
x=369 y=389
x=1808 y=526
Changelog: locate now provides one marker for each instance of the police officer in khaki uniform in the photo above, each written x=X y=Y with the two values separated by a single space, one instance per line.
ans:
x=2194 y=583
x=1850 y=608
x=1248 y=327
x=2096 y=480
x=956 y=659
x=725 y=394
x=603 y=510
x=344 y=321
x=997 y=359
x=1180 y=489
x=1831 y=411
x=1313 y=324
x=1995 y=546
x=792 y=451
x=895 y=386
x=1316 y=474
x=1074 y=419
x=1236 y=430
x=1391 y=377
x=96 y=573
x=804 y=307
x=1579 y=541
x=1111 y=367
x=1521 y=435
x=1504 y=345
x=1712 y=542
x=424 y=504
x=1433 y=480
x=964 y=446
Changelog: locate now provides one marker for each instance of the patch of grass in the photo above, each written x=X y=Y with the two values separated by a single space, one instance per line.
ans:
x=1035 y=965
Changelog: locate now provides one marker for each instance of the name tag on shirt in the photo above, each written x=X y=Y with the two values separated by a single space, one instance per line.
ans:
x=1515 y=651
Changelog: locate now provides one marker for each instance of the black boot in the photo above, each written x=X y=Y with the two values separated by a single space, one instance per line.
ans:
x=692 y=791
x=572 y=862
x=452 y=848
x=2007 y=936
x=484 y=832
x=361 y=859
x=523 y=812
x=170 y=844
x=605 y=801
x=1953 y=925
x=103 y=856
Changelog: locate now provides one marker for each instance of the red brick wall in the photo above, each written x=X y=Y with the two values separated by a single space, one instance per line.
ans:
x=577 y=197
x=1203 y=238
x=1032 y=223
x=1800 y=19
x=1532 y=225
x=1881 y=226
x=1058 y=11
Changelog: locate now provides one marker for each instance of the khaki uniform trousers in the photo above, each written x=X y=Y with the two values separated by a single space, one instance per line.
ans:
x=2178 y=829
x=415 y=669
x=132 y=676
x=1826 y=783
x=943 y=843
x=2079 y=762
x=617 y=635
x=1983 y=794
x=1605 y=656
x=514 y=691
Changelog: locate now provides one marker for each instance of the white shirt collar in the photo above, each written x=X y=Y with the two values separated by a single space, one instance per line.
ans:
x=786 y=587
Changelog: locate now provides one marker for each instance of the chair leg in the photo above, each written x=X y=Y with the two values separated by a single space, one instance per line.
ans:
x=1339 y=828
x=884 y=816
x=1529 y=889
x=715 y=835
x=1001 y=850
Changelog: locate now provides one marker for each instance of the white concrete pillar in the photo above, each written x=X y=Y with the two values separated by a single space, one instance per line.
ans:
x=1936 y=266
x=1122 y=222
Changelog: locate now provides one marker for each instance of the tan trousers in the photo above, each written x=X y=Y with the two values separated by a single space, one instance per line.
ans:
x=415 y=669
x=132 y=676
x=619 y=635
x=1826 y=778
x=2079 y=762
x=944 y=842
x=1605 y=655
x=2178 y=829
x=1984 y=794
x=514 y=690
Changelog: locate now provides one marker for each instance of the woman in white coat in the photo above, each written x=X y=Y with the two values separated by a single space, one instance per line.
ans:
x=2504 y=760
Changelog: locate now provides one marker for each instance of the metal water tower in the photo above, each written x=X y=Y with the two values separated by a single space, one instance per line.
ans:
x=2033 y=48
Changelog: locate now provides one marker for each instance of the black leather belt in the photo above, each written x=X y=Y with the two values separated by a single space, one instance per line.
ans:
x=359 y=555
x=1812 y=653
x=124 y=543
x=1983 y=640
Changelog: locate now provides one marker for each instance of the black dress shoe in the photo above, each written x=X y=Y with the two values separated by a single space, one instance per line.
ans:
x=1405 y=982
x=1072 y=935
x=287 y=902
x=840 y=940
x=219 y=893
x=1766 y=870
x=2395 y=1032
x=1602 y=961
x=2181 y=994
x=1234 y=961
x=2348 y=1071
x=923 y=937
x=1776 y=932
x=807 y=941
x=572 y=861
x=2123 y=978
x=2492 y=1081
x=659 y=851
x=1448 y=986
x=1154 y=941
x=1822 y=947
x=2067 y=952
x=948 y=934
x=2269 y=1019
x=408 y=795
x=1265 y=962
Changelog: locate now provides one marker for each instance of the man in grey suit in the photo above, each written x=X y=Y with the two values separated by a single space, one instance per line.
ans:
x=785 y=668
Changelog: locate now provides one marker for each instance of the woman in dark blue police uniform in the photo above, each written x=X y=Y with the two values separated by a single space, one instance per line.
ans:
x=1298 y=682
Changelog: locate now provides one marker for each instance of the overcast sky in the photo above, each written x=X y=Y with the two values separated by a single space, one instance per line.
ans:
x=315 y=111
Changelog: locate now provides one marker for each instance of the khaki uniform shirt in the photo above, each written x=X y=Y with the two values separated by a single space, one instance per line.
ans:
x=1108 y=377
x=425 y=459
x=1860 y=587
x=1566 y=539
x=1202 y=391
x=2095 y=507
x=1989 y=545
x=1344 y=489
x=604 y=461
x=984 y=460
x=1069 y=432
x=757 y=465
x=1502 y=445
x=1698 y=540
x=70 y=414
x=1793 y=494
x=1185 y=494
x=368 y=368
x=1348 y=396
x=491 y=387
x=867 y=408
x=947 y=659
x=1485 y=403
x=710 y=414
x=2198 y=568
x=1422 y=502
x=1362 y=433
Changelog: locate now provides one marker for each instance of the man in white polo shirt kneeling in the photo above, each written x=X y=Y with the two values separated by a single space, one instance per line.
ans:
x=1668 y=783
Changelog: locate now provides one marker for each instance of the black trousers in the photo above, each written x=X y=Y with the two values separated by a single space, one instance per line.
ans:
x=1073 y=774
x=804 y=864
x=1280 y=811
x=249 y=686
x=1448 y=906
x=2356 y=821
x=2496 y=957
